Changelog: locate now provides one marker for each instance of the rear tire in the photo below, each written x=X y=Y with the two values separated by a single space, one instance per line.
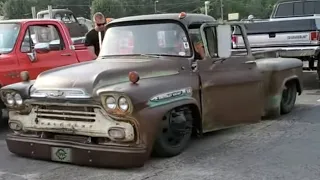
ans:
x=175 y=133
x=288 y=99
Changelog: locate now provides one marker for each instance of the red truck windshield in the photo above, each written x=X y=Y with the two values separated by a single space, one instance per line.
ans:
x=8 y=36
x=159 y=39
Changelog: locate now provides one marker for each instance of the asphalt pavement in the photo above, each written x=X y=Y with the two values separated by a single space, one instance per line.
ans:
x=285 y=148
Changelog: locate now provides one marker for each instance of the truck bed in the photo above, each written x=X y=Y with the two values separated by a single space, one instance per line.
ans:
x=285 y=32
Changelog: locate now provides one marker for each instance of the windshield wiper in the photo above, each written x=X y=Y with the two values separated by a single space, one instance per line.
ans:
x=151 y=55
x=119 y=55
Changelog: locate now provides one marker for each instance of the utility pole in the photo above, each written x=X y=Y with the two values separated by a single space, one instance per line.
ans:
x=155 y=6
x=206 y=4
x=50 y=11
x=221 y=9
x=34 y=13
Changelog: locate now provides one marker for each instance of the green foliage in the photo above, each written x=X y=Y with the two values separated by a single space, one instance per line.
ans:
x=81 y=8
x=15 y=9
x=110 y=8
x=119 y=8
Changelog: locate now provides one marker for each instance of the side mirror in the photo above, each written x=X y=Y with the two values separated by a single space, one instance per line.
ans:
x=223 y=37
x=250 y=17
x=42 y=48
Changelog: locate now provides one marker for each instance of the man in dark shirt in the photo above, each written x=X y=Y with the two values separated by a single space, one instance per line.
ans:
x=92 y=37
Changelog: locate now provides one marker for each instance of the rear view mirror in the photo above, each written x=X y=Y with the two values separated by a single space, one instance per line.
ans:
x=42 y=48
x=224 y=40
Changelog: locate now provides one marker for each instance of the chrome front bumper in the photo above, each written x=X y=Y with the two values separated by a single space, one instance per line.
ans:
x=67 y=120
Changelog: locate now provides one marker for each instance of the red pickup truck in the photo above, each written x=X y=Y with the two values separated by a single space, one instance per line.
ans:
x=36 y=45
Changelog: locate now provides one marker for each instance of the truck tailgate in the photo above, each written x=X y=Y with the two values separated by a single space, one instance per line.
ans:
x=286 y=33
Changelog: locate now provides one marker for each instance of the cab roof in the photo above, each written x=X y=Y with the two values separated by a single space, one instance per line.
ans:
x=28 y=20
x=189 y=19
x=55 y=11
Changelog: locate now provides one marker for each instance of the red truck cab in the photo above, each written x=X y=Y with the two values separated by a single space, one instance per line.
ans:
x=37 y=45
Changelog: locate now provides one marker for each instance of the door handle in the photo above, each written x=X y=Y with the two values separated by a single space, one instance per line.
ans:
x=66 y=54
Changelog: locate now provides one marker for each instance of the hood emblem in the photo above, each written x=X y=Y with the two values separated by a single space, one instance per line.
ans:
x=55 y=94
x=72 y=93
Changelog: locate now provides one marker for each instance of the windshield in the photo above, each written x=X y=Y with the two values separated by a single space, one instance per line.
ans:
x=157 y=39
x=8 y=37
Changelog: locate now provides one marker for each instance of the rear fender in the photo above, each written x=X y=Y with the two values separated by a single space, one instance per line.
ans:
x=274 y=103
x=294 y=78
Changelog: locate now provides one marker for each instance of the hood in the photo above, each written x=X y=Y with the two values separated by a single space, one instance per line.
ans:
x=102 y=72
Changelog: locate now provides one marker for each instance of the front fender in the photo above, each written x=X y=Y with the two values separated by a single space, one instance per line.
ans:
x=22 y=87
x=145 y=90
x=149 y=119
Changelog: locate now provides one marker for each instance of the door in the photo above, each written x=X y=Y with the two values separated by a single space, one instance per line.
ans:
x=9 y=35
x=231 y=88
x=60 y=53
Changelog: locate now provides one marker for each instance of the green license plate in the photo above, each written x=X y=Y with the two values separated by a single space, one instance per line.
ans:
x=61 y=154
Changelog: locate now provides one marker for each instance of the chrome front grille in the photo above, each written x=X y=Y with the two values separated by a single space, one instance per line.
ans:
x=65 y=113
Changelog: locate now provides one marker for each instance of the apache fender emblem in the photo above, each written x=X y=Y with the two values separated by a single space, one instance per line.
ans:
x=172 y=94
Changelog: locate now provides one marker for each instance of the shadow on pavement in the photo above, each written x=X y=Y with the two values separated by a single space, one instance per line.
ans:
x=310 y=80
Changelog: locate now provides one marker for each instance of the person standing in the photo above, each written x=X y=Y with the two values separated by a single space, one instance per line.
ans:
x=94 y=38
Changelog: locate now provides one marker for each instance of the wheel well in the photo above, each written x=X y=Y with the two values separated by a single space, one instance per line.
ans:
x=297 y=83
x=197 y=123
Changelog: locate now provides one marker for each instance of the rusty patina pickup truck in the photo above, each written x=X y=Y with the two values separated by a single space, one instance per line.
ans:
x=177 y=77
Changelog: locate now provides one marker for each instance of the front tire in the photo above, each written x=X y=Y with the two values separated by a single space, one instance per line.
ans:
x=175 y=133
x=288 y=99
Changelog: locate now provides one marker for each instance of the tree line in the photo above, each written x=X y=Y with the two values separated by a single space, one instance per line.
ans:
x=15 y=9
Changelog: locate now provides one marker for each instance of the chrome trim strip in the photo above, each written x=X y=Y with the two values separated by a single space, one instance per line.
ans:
x=60 y=93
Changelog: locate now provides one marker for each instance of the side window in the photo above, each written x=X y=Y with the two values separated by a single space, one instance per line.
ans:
x=27 y=43
x=309 y=7
x=42 y=34
x=284 y=10
x=212 y=41
x=298 y=8
x=196 y=40
x=317 y=10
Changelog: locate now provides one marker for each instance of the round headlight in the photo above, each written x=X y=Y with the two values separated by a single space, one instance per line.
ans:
x=123 y=104
x=18 y=99
x=111 y=102
x=10 y=99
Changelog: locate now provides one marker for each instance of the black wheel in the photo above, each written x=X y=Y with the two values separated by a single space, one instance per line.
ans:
x=289 y=95
x=175 y=133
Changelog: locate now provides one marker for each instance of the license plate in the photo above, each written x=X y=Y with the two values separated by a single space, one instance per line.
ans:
x=61 y=154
